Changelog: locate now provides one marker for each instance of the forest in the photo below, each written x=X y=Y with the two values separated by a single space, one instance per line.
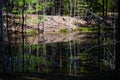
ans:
x=59 y=40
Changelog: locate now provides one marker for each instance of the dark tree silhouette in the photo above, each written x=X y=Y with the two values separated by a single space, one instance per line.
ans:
x=1 y=24
x=59 y=6
x=23 y=19
x=117 y=62
x=1 y=39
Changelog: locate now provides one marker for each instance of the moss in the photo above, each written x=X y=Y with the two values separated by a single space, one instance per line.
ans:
x=88 y=29
x=65 y=30
x=31 y=32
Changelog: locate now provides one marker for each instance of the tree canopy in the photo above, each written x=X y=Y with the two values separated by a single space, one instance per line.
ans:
x=60 y=6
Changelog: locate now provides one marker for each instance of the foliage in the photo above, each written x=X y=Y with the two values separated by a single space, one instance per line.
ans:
x=33 y=47
x=32 y=60
x=35 y=6
x=66 y=6
x=31 y=6
x=97 y=5
x=88 y=29
x=112 y=5
x=74 y=6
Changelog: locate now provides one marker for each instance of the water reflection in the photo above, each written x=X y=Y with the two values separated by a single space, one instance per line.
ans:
x=58 y=52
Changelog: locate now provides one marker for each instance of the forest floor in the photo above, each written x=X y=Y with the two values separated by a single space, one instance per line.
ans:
x=42 y=76
x=54 y=28
x=54 y=23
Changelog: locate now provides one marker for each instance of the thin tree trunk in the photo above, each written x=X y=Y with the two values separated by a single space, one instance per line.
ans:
x=23 y=34
x=99 y=47
x=106 y=9
x=103 y=8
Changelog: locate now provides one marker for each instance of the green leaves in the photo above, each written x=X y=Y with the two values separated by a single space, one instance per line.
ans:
x=31 y=6
x=18 y=3
x=30 y=11
x=31 y=1
x=40 y=7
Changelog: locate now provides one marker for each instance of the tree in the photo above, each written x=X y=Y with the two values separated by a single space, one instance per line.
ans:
x=1 y=26
x=111 y=5
x=31 y=6
x=1 y=39
x=117 y=45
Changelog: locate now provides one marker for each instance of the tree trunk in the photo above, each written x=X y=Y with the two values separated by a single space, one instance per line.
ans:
x=1 y=23
x=1 y=41
x=117 y=46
